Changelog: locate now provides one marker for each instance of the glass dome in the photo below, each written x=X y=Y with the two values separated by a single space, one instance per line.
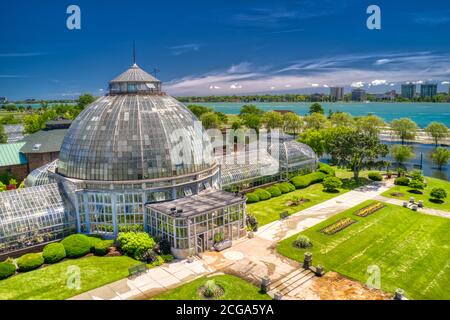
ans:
x=131 y=136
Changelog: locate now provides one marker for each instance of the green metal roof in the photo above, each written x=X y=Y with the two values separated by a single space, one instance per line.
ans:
x=44 y=141
x=10 y=154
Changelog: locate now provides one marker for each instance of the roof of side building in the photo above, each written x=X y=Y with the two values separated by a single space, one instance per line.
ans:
x=10 y=154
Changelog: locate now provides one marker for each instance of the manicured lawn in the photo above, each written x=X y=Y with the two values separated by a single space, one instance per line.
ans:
x=234 y=289
x=431 y=183
x=269 y=210
x=411 y=249
x=50 y=282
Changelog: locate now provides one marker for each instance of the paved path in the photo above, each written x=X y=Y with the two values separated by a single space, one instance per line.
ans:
x=434 y=212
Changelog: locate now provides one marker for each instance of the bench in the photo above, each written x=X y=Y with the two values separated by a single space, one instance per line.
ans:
x=137 y=269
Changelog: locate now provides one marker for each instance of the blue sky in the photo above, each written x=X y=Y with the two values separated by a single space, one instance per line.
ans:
x=222 y=47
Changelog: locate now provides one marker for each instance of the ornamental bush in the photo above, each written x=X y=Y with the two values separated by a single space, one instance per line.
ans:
x=53 y=252
x=30 y=261
x=101 y=248
x=401 y=181
x=302 y=242
x=438 y=194
x=416 y=175
x=252 y=197
x=304 y=181
x=274 y=191
x=332 y=183
x=327 y=169
x=167 y=257
x=375 y=176
x=76 y=245
x=262 y=194
x=93 y=240
x=135 y=244
x=417 y=185
x=7 y=269
x=289 y=185
x=283 y=188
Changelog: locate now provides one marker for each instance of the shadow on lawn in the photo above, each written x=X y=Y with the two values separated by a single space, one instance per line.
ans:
x=350 y=183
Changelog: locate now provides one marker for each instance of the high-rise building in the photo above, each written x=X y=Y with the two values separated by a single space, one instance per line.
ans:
x=428 y=90
x=358 y=94
x=336 y=93
x=3 y=100
x=408 y=90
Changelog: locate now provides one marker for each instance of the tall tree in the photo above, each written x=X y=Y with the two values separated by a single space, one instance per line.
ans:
x=210 y=120
x=315 y=139
x=355 y=149
x=252 y=121
x=401 y=153
x=342 y=119
x=3 y=135
x=405 y=128
x=292 y=122
x=370 y=124
x=438 y=131
x=250 y=109
x=85 y=99
x=198 y=110
x=316 y=121
x=440 y=157
x=272 y=120
x=316 y=108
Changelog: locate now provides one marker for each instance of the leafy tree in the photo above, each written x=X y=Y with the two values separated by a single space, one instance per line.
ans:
x=438 y=194
x=210 y=120
x=315 y=139
x=292 y=122
x=440 y=157
x=272 y=120
x=236 y=125
x=84 y=100
x=438 y=131
x=250 y=109
x=316 y=121
x=198 y=110
x=222 y=117
x=355 y=149
x=33 y=123
x=416 y=185
x=252 y=121
x=332 y=183
x=401 y=154
x=3 y=135
x=316 y=108
x=342 y=119
x=405 y=128
x=370 y=124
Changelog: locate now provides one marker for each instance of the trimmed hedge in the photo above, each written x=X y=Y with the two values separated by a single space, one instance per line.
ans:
x=283 y=188
x=327 y=169
x=53 y=252
x=7 y=269
x=93 y=240
x=30 y=261
x=76 y=245
x=262 y=194
x=304 y=181
x=375 y=176
x=289 y=185
x=102 y=247
x=274 y=191
x=252 y=197
x=401 y=181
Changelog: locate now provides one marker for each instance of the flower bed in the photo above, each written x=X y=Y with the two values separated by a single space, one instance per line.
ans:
x=337 y=226
x=367 y=210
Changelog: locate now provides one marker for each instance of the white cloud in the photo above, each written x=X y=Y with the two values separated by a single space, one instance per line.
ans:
x=184 y=48
x=418 y=82
x=240 y=68
x=380 y=62
x=445 y=82
x=288 y=86
x=358 y=84
x=379 y=82
x=212 y=87
x=314 y=85
x=325 y=86
x=235 y=86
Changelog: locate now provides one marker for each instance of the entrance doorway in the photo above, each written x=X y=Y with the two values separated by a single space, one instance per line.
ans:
x=201 y=243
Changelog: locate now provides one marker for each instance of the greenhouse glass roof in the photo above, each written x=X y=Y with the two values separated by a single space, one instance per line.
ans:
x=39 y=176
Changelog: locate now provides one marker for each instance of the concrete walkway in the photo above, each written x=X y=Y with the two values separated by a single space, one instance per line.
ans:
x=434 y=212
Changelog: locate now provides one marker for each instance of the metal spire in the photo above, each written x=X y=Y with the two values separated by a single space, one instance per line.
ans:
x=134 y=52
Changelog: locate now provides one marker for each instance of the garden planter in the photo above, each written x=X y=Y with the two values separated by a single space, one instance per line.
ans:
x=222 y=245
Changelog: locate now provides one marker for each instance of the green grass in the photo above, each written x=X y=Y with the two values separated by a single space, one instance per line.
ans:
x=411 y=249
x=425 y=197
x=50 y=281
x=17 y=114
x=269 y=210
x=234 y=289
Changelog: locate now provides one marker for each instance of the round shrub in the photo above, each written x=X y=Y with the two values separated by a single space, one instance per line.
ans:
x=302 y=242
x=93 y=240
x=416 y=185
x=262 y=194
x=283 y=188
x=274 y=191
x=327 y=169
x=375 y=176
x=30 y=261
x=438 y=194
x=332 y=183
x=401 y=181
x=252 y=197
x=135 y=244
x=101 y=248
x=289 y=185
x=53 y=252
x=7 y=269
x=76 y=245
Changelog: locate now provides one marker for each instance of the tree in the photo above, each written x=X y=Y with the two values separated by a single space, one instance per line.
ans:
x=440 y=157
x=354 y=149
x=316 y=121
x=272 y=120
x=405 y=128
x=198 y=110
x=210 y=120
x=342 y=119
x=252 y=121
x=222 y=117
x=315 y=139
x=401 y=154
x=292 y=122
x=84 y=100
x=236 y=125
x=438 y=131
x=331 y=183
x=33 y=123
x=316 y=108
x=250 y=109
x=438 y=194
x=370 y=124
x=3 y=135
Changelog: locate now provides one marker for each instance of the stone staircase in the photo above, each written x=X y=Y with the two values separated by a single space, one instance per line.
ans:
x=293 y=283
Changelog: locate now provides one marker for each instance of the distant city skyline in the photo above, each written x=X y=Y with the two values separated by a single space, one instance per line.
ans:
x=223 y=48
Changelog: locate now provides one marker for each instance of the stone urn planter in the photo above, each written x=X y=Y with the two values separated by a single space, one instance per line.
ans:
x=222 y=245
x=420 y=204
x=405 y=204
